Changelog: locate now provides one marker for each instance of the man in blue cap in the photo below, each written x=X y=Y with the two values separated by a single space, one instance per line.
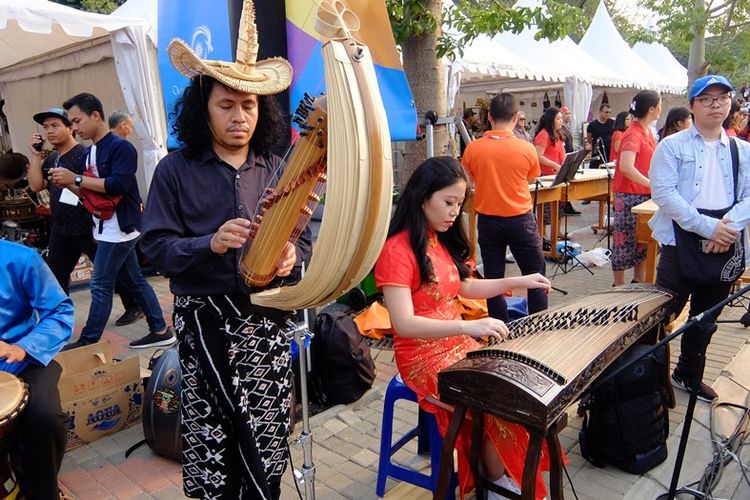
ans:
x=699 y=192
x=71 y=223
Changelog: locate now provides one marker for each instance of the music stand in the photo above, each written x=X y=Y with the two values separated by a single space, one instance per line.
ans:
x=565 y=175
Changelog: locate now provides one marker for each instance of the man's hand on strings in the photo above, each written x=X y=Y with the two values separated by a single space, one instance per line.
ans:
x=232 y=234
x=286 y=262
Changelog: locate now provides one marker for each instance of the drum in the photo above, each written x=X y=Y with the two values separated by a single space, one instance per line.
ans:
x=13 y=399
x=17 y=208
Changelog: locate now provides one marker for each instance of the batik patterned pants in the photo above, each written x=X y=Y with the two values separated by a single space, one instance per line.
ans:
x=236 y=396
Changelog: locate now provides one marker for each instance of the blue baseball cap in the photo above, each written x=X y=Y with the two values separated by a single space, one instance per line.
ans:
x=704 y=82
x=52 y=113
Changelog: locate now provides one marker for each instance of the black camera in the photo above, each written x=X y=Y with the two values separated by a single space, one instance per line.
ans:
x=39 y=144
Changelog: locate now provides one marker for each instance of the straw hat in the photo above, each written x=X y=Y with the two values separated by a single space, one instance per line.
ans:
x=266 y=77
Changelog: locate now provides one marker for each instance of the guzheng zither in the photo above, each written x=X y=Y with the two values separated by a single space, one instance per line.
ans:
x=548 y=360
x=551 y=357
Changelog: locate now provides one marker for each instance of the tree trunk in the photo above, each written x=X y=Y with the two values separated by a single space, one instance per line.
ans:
x=697 y=57
x=425 y=74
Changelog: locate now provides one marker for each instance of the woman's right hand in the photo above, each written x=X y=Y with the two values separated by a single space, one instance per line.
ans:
x=486 y=327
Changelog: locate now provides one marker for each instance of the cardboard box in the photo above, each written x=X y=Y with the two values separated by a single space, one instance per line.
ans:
x=99 y=396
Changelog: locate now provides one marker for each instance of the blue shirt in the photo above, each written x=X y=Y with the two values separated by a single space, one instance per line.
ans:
x=677 y=169
x=35 y=313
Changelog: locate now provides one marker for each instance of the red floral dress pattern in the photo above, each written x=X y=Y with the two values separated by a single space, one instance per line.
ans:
x=420 y=360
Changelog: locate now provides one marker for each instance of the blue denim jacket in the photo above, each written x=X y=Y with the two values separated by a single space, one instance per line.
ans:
x=676 y=174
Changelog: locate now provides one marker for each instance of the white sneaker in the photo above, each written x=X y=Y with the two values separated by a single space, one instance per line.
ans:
x=504 y=482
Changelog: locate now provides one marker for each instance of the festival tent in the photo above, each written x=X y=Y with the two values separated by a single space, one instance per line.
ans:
x=52 y=52
x=661 y=59
x=561 y=61
x=604 y=42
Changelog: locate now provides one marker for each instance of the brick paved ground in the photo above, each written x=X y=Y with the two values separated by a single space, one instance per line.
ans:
x=346 y=438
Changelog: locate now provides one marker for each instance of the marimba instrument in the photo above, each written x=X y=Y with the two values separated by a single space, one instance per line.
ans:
x=546 y=363
x=13 y=399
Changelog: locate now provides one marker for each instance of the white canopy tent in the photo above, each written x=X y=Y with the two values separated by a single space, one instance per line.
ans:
x=53 y=52
x=662 y=60
x=603 y=42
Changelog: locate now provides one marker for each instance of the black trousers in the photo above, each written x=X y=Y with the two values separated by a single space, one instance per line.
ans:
x=63 y=253
x=521 y=234
x=702 y=297
x=38 y=443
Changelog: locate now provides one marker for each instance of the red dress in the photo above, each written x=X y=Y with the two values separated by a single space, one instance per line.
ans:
x=420 y=360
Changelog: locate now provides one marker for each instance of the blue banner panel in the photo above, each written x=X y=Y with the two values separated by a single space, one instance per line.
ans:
x=202 y=25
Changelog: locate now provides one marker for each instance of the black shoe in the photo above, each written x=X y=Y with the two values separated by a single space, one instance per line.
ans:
x=130 y=316
x=155 y=340
x=586 y=202
x=74 y=345
x=705 y=393
x=569 y=210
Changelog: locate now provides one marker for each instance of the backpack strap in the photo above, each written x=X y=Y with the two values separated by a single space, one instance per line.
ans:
x=735 y=167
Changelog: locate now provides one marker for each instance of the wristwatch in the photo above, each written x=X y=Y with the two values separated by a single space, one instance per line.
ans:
x=77 y=180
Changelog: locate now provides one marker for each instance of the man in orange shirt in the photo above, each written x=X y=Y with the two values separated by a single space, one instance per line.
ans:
x=502 y=166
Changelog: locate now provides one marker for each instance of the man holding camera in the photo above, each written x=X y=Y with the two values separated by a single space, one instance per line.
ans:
x=71 y=223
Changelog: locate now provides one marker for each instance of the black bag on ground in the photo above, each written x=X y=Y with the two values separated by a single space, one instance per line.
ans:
x=342 y=367
x=162 y=407
x=627 y=419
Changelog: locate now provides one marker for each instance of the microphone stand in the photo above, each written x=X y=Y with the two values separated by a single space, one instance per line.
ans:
x=706 y=323
x=537 y=186
x=608 y=221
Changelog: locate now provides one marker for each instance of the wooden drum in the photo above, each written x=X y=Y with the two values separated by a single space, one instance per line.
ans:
x=17 y=209
x=13 y=399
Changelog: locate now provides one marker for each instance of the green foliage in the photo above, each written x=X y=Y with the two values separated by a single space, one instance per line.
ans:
x=464 y=20
x=101 y=6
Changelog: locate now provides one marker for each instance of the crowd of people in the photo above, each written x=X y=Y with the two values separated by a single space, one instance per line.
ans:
x=234 y=355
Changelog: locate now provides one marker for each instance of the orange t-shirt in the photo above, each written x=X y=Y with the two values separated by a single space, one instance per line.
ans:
x=502 y=167
x=554 y=152
x=643 y=143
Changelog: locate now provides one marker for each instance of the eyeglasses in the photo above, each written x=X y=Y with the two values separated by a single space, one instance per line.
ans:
x=522 y=119
x=707 y=101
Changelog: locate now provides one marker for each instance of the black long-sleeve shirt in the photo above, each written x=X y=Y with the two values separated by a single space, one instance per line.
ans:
x=189 y=199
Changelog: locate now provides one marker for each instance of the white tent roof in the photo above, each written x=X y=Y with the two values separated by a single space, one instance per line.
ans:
x=603 y=42
x=659 y=57
x=560 y=56
x=486 y=58
x=141 y=9
x=29 y=28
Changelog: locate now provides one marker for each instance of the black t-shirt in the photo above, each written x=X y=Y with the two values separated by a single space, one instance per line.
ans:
x=67 y=219
x=601 y=130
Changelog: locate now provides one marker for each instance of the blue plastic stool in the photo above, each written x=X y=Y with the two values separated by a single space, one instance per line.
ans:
x=428 y=439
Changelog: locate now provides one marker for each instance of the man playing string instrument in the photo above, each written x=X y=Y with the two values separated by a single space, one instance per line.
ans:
x=235 y=359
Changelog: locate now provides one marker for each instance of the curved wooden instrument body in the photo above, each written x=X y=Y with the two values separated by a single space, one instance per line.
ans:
x=359 y=186
x=285 y=210
x=552 y=356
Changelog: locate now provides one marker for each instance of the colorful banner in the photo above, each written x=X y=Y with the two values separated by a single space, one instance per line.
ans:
x=303 y=45
x=205 y=27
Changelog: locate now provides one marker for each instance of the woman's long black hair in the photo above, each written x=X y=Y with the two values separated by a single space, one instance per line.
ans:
x=675 y=115
x=432 y=175
x=620 y=121
x=191 y=119
x=547 y=122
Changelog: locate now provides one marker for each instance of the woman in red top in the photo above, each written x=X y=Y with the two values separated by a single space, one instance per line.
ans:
x=631 y=186
x=421 y=270
x=549 y=142
x=735 y=120
x=622 y=123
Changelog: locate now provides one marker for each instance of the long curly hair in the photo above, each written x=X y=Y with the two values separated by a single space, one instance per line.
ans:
x=432 y=175
x=191 y=119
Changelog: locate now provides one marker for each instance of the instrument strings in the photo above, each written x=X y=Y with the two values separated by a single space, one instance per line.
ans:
x=286 y=208
x=586 y=328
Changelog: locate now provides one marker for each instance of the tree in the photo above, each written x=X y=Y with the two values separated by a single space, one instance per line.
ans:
x=418 y=29
x=684 y=25
x=101 y=6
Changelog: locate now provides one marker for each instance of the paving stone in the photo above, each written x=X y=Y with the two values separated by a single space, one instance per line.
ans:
x=350 y=417
x=365 y=458
x=335 y=426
